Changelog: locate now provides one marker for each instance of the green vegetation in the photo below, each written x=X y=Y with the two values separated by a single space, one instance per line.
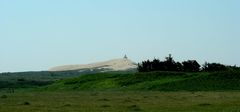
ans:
x=186 y=66
x=20 y=80
x=155 y=81
x=160 y=81
x=33 y=79
x=158 y=91
x=120 y=101
x=155 y=91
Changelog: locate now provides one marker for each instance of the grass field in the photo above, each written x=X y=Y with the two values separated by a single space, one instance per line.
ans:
x=157 y=81
x=120 y=101
x=123 y=92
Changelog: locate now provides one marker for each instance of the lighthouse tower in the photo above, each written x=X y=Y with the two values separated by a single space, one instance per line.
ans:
x=125 y=56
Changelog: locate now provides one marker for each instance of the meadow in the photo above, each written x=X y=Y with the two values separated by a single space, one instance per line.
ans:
x=123 y=92
x=152 y=81
x=120 y=101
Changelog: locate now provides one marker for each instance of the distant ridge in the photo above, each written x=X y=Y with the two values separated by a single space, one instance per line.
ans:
x=122 y=64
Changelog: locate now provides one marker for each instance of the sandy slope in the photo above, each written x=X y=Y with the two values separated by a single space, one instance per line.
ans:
x=111 y=65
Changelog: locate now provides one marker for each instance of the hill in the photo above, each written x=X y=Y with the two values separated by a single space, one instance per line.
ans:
x=160 y=81
x=33 y=79
x=122 y=64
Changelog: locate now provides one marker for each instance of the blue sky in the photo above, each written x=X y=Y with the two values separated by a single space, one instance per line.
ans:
x=38 y=34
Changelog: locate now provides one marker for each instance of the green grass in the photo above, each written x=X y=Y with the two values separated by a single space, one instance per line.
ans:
x=160 y=81
x=33 y=79
x=41 y=78
x=120 y=101
x=129 y=92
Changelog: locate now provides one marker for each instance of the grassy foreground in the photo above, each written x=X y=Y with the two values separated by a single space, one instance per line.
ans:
x=120 y=101
x=131 y=92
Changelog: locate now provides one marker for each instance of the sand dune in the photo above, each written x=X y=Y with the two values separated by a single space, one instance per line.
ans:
x=111 y=65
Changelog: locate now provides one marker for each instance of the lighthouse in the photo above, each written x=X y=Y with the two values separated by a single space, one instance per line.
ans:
x=125 y=56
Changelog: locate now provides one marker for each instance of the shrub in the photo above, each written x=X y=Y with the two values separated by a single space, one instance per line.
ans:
x=26 y=103
x=191 y=66
x=4 y=96
x=210 y=67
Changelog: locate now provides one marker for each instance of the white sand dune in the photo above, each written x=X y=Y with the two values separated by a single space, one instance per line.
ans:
x=111 y=65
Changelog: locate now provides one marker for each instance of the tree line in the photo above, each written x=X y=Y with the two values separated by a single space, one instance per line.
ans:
x=186 y=66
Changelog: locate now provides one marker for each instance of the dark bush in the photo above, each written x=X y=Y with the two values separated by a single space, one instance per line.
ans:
x=4 y=96
x=187 y=66
x=21 y=80
x=210 y=67
x=191 y=66
x=26 y=103
x=168 y=65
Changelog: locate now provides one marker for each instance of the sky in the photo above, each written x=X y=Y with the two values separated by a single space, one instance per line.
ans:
x=38 y=34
